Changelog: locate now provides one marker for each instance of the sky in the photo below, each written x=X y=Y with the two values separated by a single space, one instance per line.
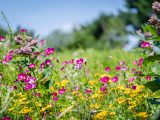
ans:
x=44 y=16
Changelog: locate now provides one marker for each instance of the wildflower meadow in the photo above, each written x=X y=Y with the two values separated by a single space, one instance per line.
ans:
x=40 y=83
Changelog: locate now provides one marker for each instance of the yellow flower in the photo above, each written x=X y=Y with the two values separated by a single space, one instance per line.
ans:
x=120 y=87
x=96 y=74
x=64 y=82
x=101 y=116
x=142 y=114
x=52 y=88
x=127 y=91
x=112 y=113
x=25 y=110
x=10 y=109
x=94 y=106
x=121 y=100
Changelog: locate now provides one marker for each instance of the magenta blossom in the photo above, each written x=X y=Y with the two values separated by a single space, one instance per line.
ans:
x=118 y=68
x=88 y=91
x=148 y=77
x=1 y=38
x=8 y=57
x=32 y=65
x=145 y=44
x=134 y=87
x=107 y=69
x=115 y=79
x=6 y=118
x=104 y=79
x=49 y=51
x=55 y=98
x=61 y=91
x=22 y=76
x=103 y=88
x=48 y=62
x=23 y=30
x=80 y=61
x=54 y=94
x=30 y=86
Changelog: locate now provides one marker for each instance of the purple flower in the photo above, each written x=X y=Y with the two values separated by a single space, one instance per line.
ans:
x=1 y=38
x=32 y=65
x=115 y=79
x=22 y=76
x=55 y=98
x=49 y=51
x=23 y=30
x=6 y=118
x=61 y=91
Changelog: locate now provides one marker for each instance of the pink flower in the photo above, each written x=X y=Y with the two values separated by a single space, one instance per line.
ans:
x=134 y=87
x=104 y=79
x=30 y=86
x=22 y=76
x=1 y=38
x=148 y=77
x=88 y=91
x=122 y=63
x=145 y=44
x=28 y=118
x=55 y=98
x=37 y=94
x=42 y=65
x=49 y=51
x=134 y=62
x=48 y=62
x=42 y=42
x=8 y=57
x=6 y=118
x=115 y=79
x=118 y=68
x=12 y=88
x=23 y=30
x=54 y=94
x=32 y=65
x=80 y=61
x=107 y=69
x=103 y=88
x=61 y=91
x=131 y=79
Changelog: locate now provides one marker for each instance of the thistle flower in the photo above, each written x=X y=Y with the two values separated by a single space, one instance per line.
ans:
x=156 y=7
x=147 y=34
x=153 y=20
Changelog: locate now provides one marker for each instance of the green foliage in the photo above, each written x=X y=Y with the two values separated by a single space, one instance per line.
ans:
x=100 y=33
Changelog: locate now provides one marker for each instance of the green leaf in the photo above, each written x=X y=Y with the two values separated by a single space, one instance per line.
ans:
x=153 y=85
x=47 y=84
x=151 y=29
x=151 y=58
